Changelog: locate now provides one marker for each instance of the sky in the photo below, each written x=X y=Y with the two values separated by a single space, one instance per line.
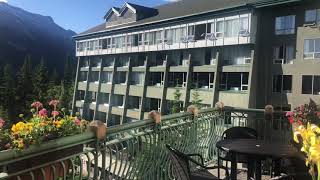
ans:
x=77 y=15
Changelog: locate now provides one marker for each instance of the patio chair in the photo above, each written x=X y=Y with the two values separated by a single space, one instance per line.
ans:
x=236 y=133
x=181 y=167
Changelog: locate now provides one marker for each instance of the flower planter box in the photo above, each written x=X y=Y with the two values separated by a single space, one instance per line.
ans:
x=49 y=154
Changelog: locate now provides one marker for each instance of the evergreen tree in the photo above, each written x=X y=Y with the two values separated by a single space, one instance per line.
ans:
x=66 y=96
x=176 y=103
x=68 y=71
x=54 y=92
x=40 y=82
x=54 y=78
x=196 y=101
x=25 y=86
x=8 y=92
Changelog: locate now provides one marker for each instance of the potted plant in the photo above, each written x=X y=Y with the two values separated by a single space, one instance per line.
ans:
x=306 y=120
x=41 y=128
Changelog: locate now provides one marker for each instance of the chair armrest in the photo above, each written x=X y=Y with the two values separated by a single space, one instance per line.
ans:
x=220 y=167
x=194 y=161
x=284 y=177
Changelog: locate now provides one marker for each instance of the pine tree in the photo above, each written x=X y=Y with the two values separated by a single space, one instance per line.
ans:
x=176 y=104
x=8 y=92
x=40 y=82
x=196 y=101
x=68 y=71
x=54 y=78
x=25 y=86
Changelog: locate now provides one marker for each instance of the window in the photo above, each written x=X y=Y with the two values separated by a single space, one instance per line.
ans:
x=234 y=81
x=311 y=85
x=159 y=37
x=219 y=29
x=311 y=49
x=200 y=31
x=140 y=39
x=312 y=16
x=231 y=28
x=283 y=54
x=106 y=77
x=244 y=27
x=285 y=25
x=282 y=83
x=168 y=36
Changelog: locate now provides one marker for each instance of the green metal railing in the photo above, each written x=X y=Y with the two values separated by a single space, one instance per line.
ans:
x=137 y=150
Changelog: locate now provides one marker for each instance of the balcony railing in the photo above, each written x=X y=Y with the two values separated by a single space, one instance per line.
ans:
x=137 y=150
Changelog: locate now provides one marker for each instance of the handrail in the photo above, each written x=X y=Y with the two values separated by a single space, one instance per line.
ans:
x=209 y=124
x=88 y=136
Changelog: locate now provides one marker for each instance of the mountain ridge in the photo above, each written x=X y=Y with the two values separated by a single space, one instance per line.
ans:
x=25 y=33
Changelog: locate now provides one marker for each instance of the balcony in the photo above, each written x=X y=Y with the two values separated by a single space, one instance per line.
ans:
x=137 y=150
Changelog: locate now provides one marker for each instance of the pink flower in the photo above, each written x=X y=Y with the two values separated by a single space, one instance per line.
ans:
x=2 y=122
x=55 y=113
x=291 y=120
x=37 y=105
x=43 y=112
x=289 y=114
x=77 y=122
x=318 y=114
x=54 y=103
x=302 y=108
x=300 y=122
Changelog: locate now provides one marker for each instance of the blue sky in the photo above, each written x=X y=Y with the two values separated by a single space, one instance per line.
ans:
x=77 y=15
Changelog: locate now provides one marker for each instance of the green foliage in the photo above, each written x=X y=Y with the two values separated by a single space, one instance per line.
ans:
x=176 y=103
x=19 y=89
x=40 y=82
x=196 y=101
x=8 y=93
x=66 y=95
x=25 y=87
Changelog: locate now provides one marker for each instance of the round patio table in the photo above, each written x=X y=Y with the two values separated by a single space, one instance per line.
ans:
x=256 y=150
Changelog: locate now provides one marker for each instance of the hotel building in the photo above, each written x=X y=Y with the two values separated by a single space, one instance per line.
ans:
x=244 y=53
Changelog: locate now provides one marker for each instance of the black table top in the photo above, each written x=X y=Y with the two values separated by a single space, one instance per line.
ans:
x=258 y=148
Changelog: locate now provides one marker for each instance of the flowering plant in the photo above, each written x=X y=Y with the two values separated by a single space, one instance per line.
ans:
x=304 y=114
x=309 y=137
x=307 y=134
x=42 y=127
x=4 y=136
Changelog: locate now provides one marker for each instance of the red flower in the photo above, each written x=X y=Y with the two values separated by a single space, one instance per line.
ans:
x=43 y=112
x=77 y=122
x=299 y=122
x=2 y=122
x=291 y=120
x=55 y=113
x=37 y=105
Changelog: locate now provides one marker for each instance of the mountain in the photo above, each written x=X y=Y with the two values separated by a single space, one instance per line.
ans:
x=23 y=33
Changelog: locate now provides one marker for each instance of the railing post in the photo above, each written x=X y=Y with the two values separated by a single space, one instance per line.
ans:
x=100 y=130
x=269 y=121
x=156 y=116
x=193 y=110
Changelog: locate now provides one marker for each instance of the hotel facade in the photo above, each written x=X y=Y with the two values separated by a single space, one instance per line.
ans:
x=244 y=53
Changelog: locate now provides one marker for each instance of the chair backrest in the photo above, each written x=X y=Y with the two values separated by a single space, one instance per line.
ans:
x=180 y=164
x=240 y=133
